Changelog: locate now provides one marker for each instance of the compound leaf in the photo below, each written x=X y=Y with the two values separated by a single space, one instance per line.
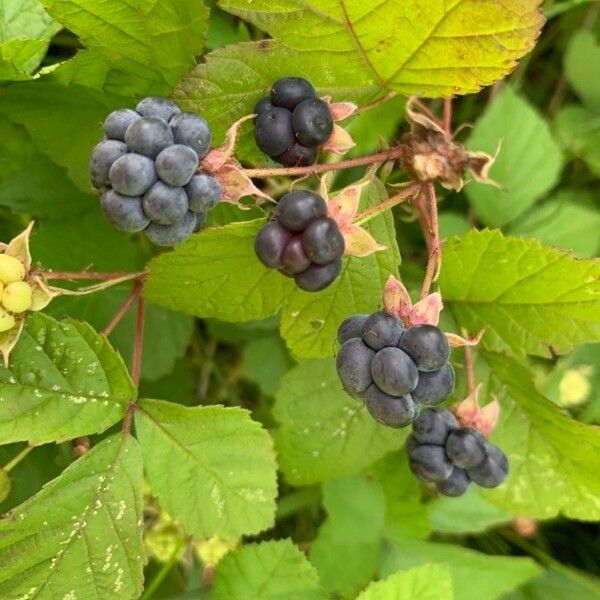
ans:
x=529 y=299
x=434 y=49
x=269 y=571
x=64 y=381
x=81 y=535
x=211 y=467
x=324 y=433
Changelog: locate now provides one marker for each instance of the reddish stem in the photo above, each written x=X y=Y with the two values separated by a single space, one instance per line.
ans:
x=75 y=275
x=124 y=308
x=136 y=360
x=447 y=120
x=469 y=368
x=395 y=153
x=429 y=219
x=403 y=196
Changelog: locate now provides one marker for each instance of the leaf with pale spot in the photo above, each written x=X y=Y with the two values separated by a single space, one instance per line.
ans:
x=64 y=381
x=81 y=535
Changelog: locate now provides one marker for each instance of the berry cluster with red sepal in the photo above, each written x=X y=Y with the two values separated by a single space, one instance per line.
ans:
x=292 y=123
x=147 y=170
x=302 y=242
x=451 y=457
x=393 y=369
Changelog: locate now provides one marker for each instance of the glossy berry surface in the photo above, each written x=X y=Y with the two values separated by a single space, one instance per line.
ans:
x=289 y=92
x=318 y=277
x=381 y=330
x=435 y=386
x=263 y=105
x=466 y=448
x=117 y=123
x=456 y=484
x=176 y=164
x=493 y=470
x=270 y=244
x=273 y=131
x=351 y=327
x=429 y=463
x=294 y=259
x=433 y=425
x=161 y=108
x=394 y=372
x=297 y=210
x=11 y=269
x=323 y=241
x=203 y=192
x=165 y=204
x=17 y=297
x=353 y=364
x=427 y=345
x=389 y=410
x=193 y=131
x=312 y=122
x=103 y=157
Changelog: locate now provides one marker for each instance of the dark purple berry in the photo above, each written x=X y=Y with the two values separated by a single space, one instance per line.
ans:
x=455 y=484
x=351 y=327
x=389 y=410
x=433 y=425
x=298 y=155
x=394 y=372
x=312 y=122
x=270 y=244
x=353 y=363
x=434 y=386
x=288 y=92
x=273 y=131
x=297 y=210
x=323 y=241
x=382 y=330
x=294 y=259
x=493 y=470
x=465 y=447
x=318 y=277
x=427 y=345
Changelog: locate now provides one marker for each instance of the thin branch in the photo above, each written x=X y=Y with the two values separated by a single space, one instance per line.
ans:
x=124 y=308
x=447 y=121
x=395 y=153
x=469 y=368
x=376 y=102
x=368 y=214
x=17 y=459
x=429 y=217
x=136 y=360
x=95 y=275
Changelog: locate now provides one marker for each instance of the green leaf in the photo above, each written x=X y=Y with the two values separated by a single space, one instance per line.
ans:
x=200 y=277
x=346 y=549
x=529 y=299
x=568 y=220
x=554 y=459
x=269 y=571
x=25 y=31
x=45 y=191
x=474 y=575
x=559 y=583
x=439 y=50
x=216 y=274
x=428 y=582
x=324 y=433
x=578 y=129
x=266 y=360
x=64 y=381
x=527 y=167
x=211 y=457
x=473 y=514
x=68 y=146
x=81 y=536
x=310 y=321
x=156 y=43
x=582 y=58
x=405 y=515
x=232 y=80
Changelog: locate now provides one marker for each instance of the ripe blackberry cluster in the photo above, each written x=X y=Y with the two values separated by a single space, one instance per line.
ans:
x=393 y=369
x=302 y=242
x=292 y=123
x=452 y=457
x=147 y=170
x=16 y=295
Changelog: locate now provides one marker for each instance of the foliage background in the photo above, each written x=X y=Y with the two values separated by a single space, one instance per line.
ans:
x=345 y=496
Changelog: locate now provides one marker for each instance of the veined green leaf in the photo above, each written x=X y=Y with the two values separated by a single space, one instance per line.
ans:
x=324 y=433
x=432 y=49
x=211 y=467
x=269 y=571
x=64 y=381
x=529 y=299
x=81 y=535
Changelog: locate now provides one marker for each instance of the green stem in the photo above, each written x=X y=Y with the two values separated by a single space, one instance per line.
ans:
x=17 y=459
x=162 y=573
x=370 y=213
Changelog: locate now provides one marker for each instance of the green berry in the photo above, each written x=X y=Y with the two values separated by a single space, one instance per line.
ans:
x=17 y=297
x=7 y=321
x=11 y=269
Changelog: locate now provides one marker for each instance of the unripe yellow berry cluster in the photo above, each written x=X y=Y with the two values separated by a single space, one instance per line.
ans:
x=15 y=293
